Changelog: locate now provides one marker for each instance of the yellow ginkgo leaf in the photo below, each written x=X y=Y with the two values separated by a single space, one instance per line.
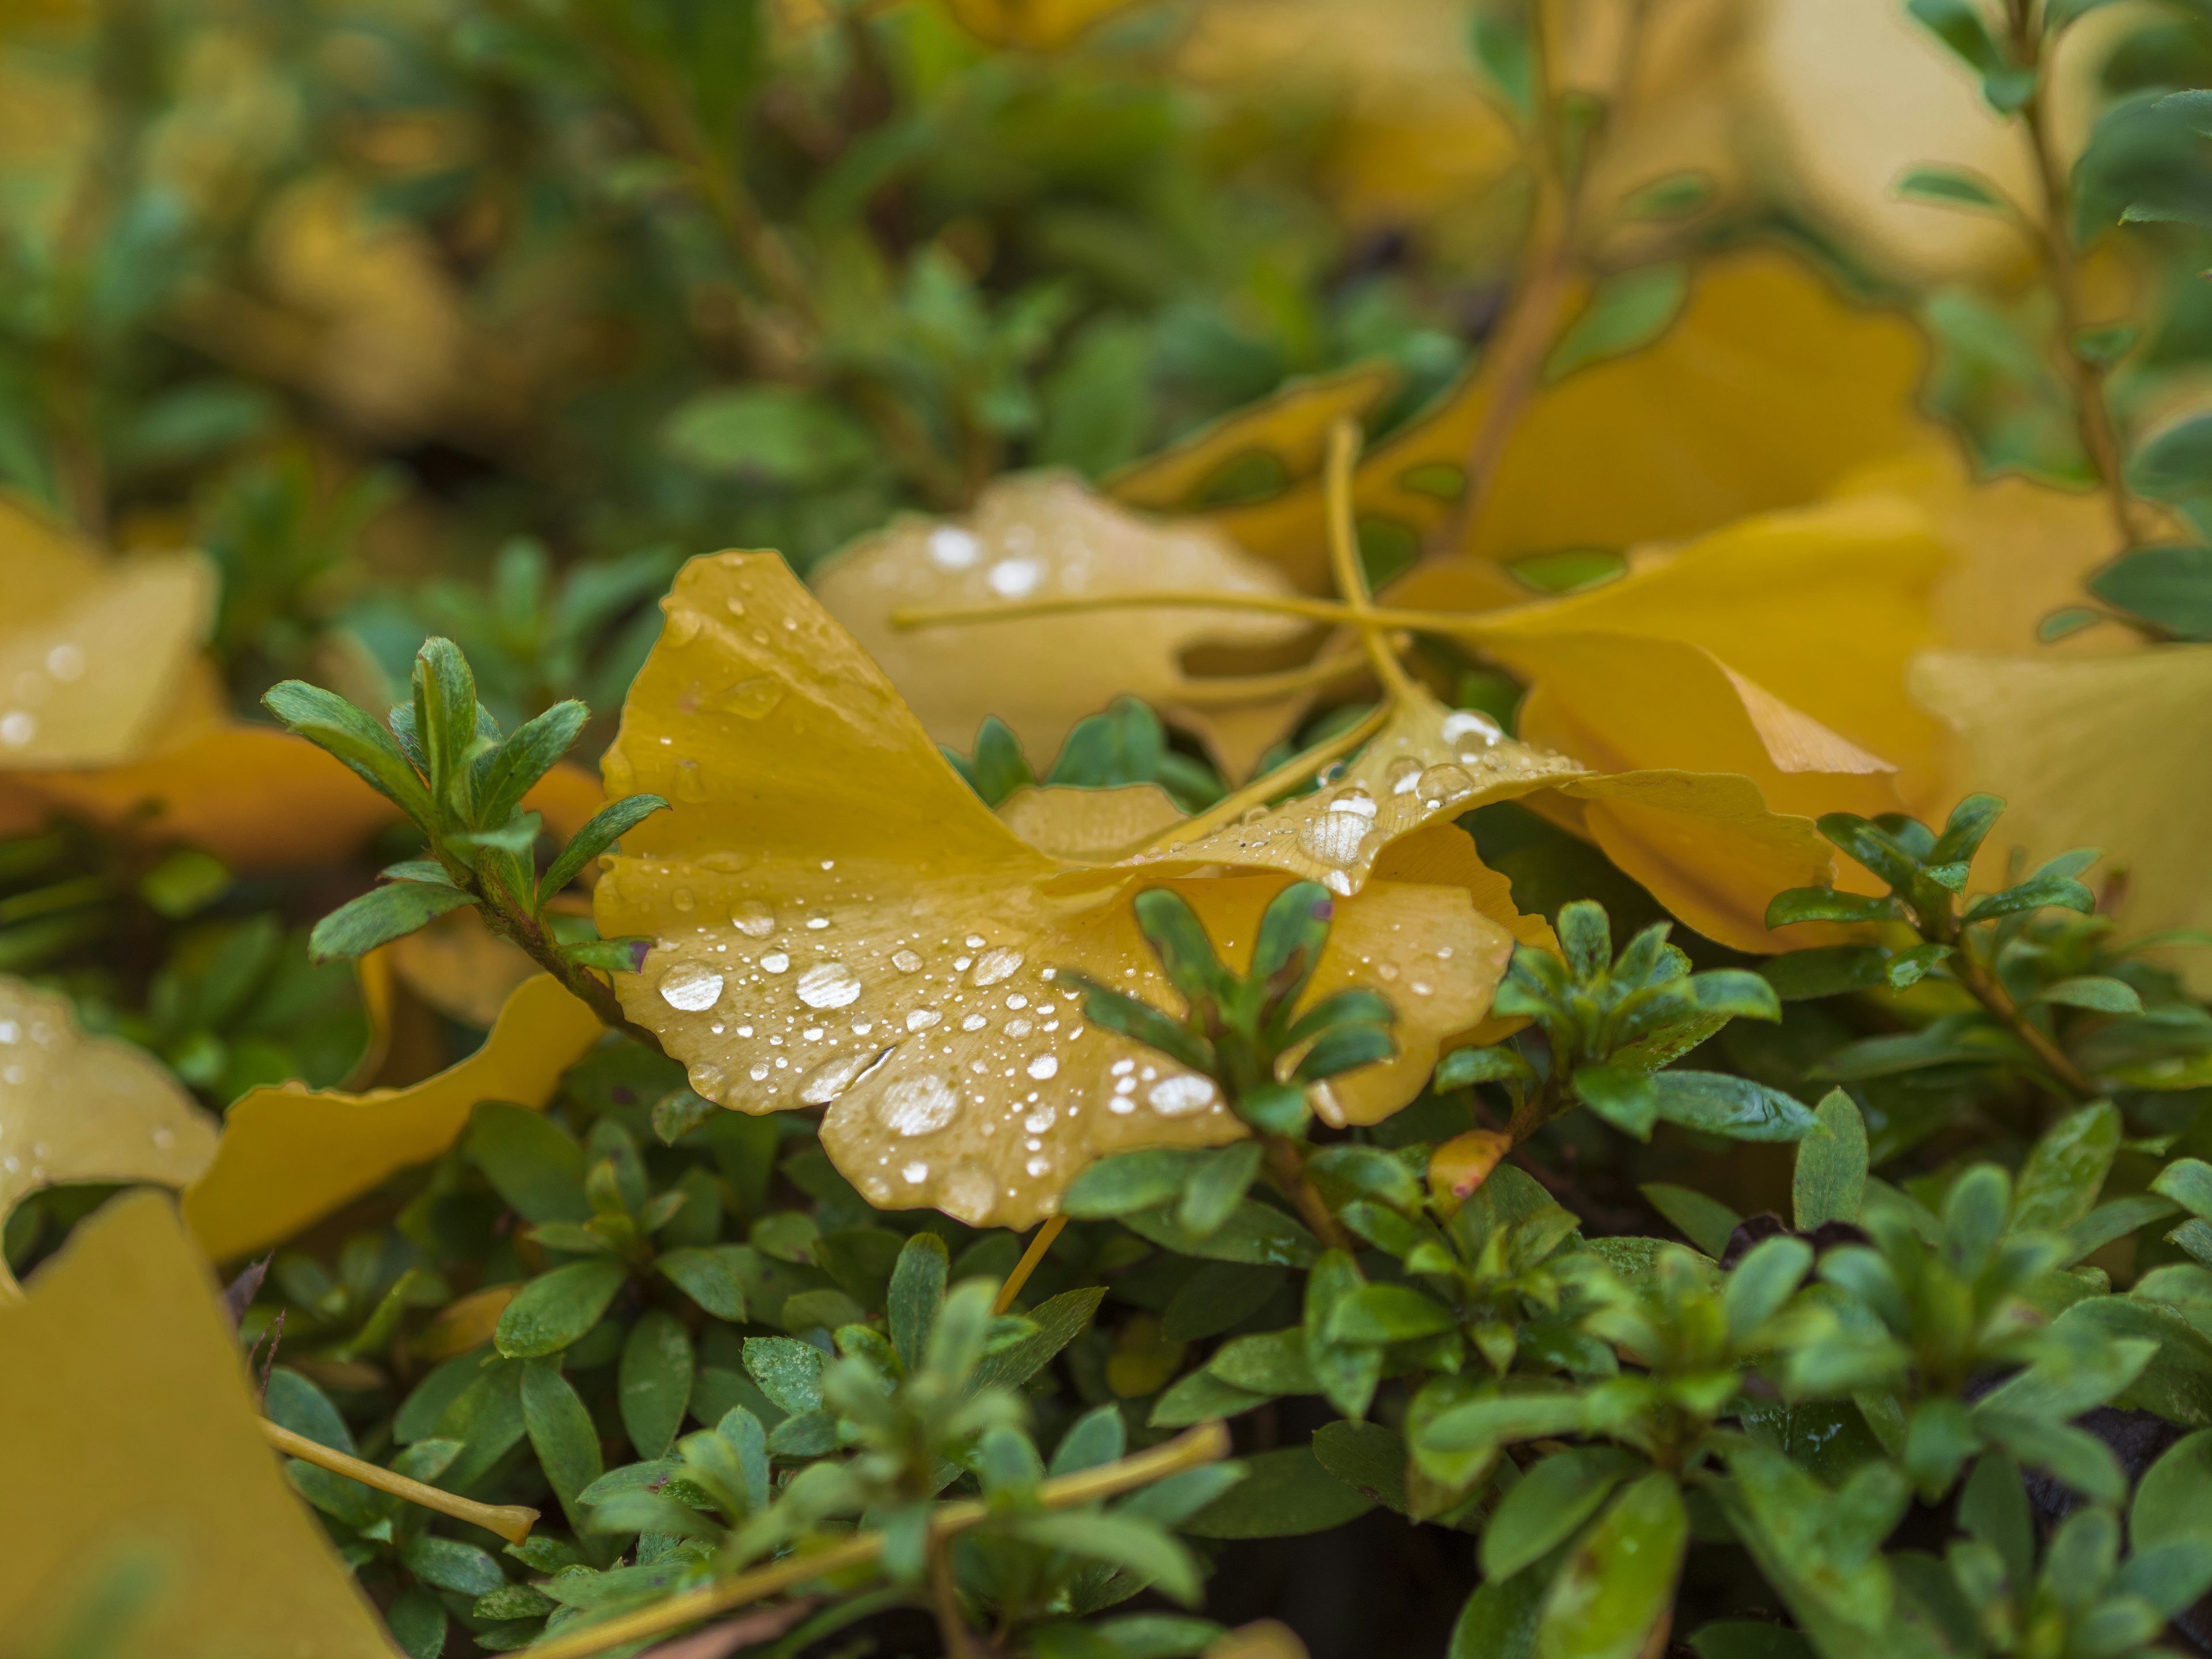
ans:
x=95 y=652
x=290 y=1155
x=1265 y=447
x=838 y=920
x=126 y=1425
x=1766 y=391
x=1776 y=648
x=1035 y=537
x=2092 y=752
x=1707 y=843
x=1091 y=826
x=1039 y=25
x=75 y=1107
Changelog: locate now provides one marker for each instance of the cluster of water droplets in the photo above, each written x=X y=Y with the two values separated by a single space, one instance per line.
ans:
x=32 y=687
x=799 y=1003
x=1403 y=780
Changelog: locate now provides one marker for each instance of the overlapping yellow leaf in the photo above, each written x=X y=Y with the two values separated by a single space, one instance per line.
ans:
x=2087 y=751
x=75 y=1107
x=1033 y=537
x=1765 y=392
x=1282 y=435
x=128 y=1431
x=290 y=1155
x=461 y=967
x=838 y=920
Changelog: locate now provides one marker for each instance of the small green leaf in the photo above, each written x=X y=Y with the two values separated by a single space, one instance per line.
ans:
x=2065 y=1170
x=612 y=955
x=1955 y=187
x=1830 y=1180
x=605 y=827
x=1826 y=904
x=789 y=1371
x=1465 y=1066
x=1284 y=1492
x=711 y=1275
x=1627 y=1100
x=556 y=1307
x=1628 y=311
x=1619 y=1585
x=917 y=1291
x=1550 y=1506
x=1706 y=1222
x=1733 y=1106
x=766 y=436
x=655 y=1381
x=380 y=915
x=532 y=1163
x=999 y=766
x=332 y=723
x=1216 y=1187
x=562 y=1435
x=2066 y=622
x=1677 y=195
x=2169 y=587
x=1128 y=1182
x=1255 y=1232
x=451 y=1564
x=2036 y=893
x=1368 y=1457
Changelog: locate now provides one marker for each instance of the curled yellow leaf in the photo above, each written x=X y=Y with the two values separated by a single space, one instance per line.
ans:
x=75 y=1107
x=839 y=921
x=290 y=1155
x=129 y=1432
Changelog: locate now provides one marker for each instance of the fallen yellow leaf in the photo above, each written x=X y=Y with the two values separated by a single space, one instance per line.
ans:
x=461 y=967
x=75 y=1107
x=1035 y=537
x=840 y=921
x=1281 y=438
x=2093 y=752
x=290 y=1155
x=1040 y=25
x=128 y=1431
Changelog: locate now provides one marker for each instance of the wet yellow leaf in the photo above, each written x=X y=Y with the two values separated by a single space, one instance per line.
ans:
x=1033 y=537
x=1090 y=826
x=126 y=1425
x=1144 y=1359
x=1462 y=1163
x=840 y=921
x=1766 y=392
x=1280 y=438
x=75 y=1107
x=291 y=1155
x=2092 y=752
x=458 y=967
x=1706 y=843
x=1040 y=25
x=95 y=652
x=464 y=1324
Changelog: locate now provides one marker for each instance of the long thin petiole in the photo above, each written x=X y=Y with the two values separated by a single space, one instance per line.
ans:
x=1039 y=1246
x=510 y=1520
x=1344 y=561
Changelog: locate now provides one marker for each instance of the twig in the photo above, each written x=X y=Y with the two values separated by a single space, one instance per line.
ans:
x=2084 y=378
x=1344 y=561
x=507 y=919
x=1985 y=989
x=1286 y=1165
x=1030 y=1258
x=510 y=1520
x=1206 y=1444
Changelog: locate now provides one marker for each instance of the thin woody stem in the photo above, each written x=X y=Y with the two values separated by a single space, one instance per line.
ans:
x=1206 y=1444
x=944 y=1602
x=1287 y=1166
x=1985 y=989
x=1140 y=599
x=510 y=1520
x=2062 y=268
x=504 y=915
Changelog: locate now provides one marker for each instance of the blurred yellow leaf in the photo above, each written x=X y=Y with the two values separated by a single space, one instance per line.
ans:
x=1035 y=537
x=1766 y=392
x=1265 y=1638
x=95 y=652
x=75 y=1109
x=840 y=921
x=291 y=1155
x=1271 y=444
x=126 y=1425
x=1040 y=25
x=2092 y=752
x=461 y=967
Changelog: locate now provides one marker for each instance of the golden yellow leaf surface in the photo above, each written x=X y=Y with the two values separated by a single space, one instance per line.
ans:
x=290 y=1155
x=126 y=1425
x=1090 y=826
x=1039 y=536
x=95 y=652
x=2090 y=752
x=1766 y=391
x=459 y=967
x=1282 y=437
x=839 y=921
x=75 y=1107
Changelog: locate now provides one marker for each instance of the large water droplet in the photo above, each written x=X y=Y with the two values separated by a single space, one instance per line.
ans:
x=1179 y=1096
x=968 y=1194
x=920 y=1019
x=829 y=985
x=1043 y=1066
x=1404 y=776
x=65 y=661
x=1466 y=727
x=775 y=963
x=994 y=965
x=753 y=918
x=707 y=1082
x=952 y=548
x=907 y=962
x=1015 y=579
x=1331 y=837
x=916 y=1105
x=690 y=987
x=1355 y=800
x=833 y=1077
x=747 y=699
x=973 y=1022
x=682 y=626
x=1443 y=784
x=685 y=900
x=17 y=728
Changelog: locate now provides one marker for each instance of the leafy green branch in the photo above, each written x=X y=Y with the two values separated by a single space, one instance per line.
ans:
x=444 y=763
